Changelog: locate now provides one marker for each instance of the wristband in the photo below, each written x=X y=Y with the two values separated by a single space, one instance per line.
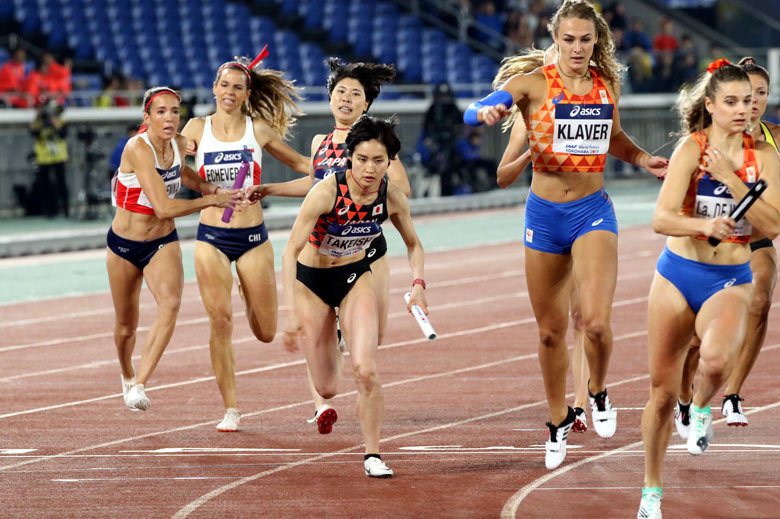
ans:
x=418 y=281
x=499 y=97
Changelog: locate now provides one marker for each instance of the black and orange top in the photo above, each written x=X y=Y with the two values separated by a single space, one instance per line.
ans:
x=349 y=228
x=708 y=198
x=571 y=132
x=330 y=158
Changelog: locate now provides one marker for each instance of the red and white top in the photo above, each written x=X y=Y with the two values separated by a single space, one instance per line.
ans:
x=218 y=162
x=128 y=193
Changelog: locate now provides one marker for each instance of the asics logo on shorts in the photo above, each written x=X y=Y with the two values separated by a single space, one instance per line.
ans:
x=210 y=236
x=161 y=246
x=729 y=283
x=351 y=277
x=123 y=249
x=371 y=253
x=594 y=224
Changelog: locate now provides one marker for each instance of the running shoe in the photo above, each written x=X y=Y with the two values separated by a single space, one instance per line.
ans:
x=136 y=398
x=324 y=417
x=127 y=383
x=732 y=410
x=230 y=422
x=604 y=417
x=555 y=447
x=376 y=468
x=650 y=506
x=682 y=419
x=580 y=421
x=700 y=435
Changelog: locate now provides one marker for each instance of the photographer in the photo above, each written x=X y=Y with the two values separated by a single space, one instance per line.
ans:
x=51 y=154
x=441 y=128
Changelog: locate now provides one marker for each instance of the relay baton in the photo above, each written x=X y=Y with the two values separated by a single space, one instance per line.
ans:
x=228 y=214
x=422 y=319
x=742 y=207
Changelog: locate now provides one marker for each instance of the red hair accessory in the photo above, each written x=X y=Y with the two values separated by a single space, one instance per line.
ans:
x=260 y=57
x=715 y=65
x=161 y=92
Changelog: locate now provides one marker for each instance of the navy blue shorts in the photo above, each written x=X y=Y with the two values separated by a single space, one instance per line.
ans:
x=233 y=242
x=698 y=281
x=332 y=284
x=377 y=249
x=554 y=227
x=139 y=253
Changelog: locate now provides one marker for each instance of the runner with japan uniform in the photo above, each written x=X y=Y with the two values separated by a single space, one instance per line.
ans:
x=142 y=240
x=255 y=109
x=352 y=88
x=572 y=120
x=700 y=288
x=325 y=266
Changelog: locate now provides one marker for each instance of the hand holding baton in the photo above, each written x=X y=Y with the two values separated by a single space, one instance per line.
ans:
x=742 y=207
x=422 y=319
x=239 y=182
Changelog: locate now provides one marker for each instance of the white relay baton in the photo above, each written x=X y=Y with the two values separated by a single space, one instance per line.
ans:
x=422 y=319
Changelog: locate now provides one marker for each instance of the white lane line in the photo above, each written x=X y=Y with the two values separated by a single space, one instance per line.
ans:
x=194 y=505
x=175 y=478
x=509 y=510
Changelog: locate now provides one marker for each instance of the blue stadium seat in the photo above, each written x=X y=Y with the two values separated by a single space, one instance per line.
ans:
x=313 y=13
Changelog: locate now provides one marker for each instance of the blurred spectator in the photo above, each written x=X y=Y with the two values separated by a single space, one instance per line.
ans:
x=12 y=80
x=686 y=62
x=518 y=31
x=487 y=16
x=441 y=127
x=776 y=117
x=116 y=155
x=664 y=77
x=637 y=37
x=715 y=52
x=51 y=155
x=615 y=15
x=110 y=97
x=58 y=76
x=475 y=171
x=542 y=36
x=665 y=41
x=640 y=66
x=37 y=85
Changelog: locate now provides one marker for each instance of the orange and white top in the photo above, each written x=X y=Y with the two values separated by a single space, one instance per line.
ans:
x=571 y=132
x=708 y=198
x=127 y=191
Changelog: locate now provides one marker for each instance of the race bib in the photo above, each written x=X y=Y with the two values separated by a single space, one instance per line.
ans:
x=221 y=168
x=172 y=179
x=582 y=129
x=714 y=199
x=345 y=240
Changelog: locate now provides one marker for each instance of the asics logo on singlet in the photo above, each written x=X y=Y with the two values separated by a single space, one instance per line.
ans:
x=356 y=230
x=343 y=210
x=720 y=190
x=729 y=283
x=170 y=174
x=322 y=152
x=227 y=157
x=351 y=277
x=557 y=99
x=579 y=110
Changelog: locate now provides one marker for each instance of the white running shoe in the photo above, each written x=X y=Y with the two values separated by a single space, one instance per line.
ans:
x=127 y=383
x=650 y=506
x=136 y=398
x=324 y=417
x=682 y=419
x=732 y=410
x=376 y=468
x=230 y=422
x=581 y=421
x=701 y=433
x=555 y=447
x=604 y=417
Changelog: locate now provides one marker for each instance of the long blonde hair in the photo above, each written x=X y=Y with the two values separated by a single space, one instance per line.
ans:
x=604 y=50
x=524 y=63
x=691 y=101
x=272 y=98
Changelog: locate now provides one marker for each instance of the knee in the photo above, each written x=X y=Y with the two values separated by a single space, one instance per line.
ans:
x=365 y=376
x=169 y=304
x=124 y=332
x=714 y=364
x=760 y=304
x=596 y=329
x=551 y=336
x=663 y=401
x=222 y=324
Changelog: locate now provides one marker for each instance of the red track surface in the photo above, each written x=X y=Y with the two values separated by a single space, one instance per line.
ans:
x=464 y=425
